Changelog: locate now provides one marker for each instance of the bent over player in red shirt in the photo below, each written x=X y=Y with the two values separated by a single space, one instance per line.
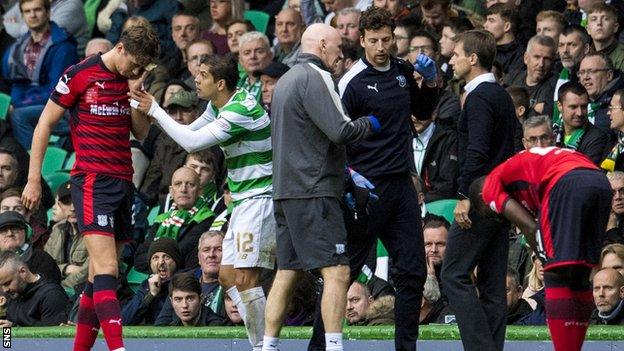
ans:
x=570 y=198
x=95 y=91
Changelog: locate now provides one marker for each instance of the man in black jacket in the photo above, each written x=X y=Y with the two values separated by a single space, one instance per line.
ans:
x=384 y=158
x=33 y=300
x=488 y=134
x=502 y=22
x=576 y=132
x=435 y=157
x=608 y=293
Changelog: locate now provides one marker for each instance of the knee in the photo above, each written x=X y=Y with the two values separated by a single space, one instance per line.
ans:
x=109 y=267
x=226 y=278
x=336 y=274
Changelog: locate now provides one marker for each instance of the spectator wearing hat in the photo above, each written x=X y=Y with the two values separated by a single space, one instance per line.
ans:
x=15 y=235
x=168 y=156
x=66 y=244
x=164 y=260
x=268 y=77
x=33 y=299
x=11 y=200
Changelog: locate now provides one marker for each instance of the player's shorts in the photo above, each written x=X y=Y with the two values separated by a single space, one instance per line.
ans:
x=310 y=233
x=250 y=238
x=103 y=205
x=574 y=218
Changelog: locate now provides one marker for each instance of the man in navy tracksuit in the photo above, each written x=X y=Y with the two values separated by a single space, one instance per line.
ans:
x=488 y=134
x=383 y=86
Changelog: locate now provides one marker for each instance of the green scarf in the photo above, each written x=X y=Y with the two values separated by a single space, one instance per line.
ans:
x=255 y=89
x=173 y=220
x=609 y=163
x=210 y=194
x=573 y=140
x=564 y=77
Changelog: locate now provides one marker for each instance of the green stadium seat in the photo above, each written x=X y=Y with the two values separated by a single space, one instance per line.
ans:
x=69 y=163
x=259 y=19
x=5 y=102
x=443 y=208
x=55 y=179
x=152 y=215
x=53 y=160
x=135 y=278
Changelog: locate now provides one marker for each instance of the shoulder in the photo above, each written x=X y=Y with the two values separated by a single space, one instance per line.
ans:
x=351 y=75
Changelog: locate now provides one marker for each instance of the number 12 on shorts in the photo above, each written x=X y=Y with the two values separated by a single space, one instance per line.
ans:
x=244 y=242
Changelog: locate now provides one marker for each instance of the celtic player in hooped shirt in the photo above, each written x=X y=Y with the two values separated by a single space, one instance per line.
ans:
x=236 y=122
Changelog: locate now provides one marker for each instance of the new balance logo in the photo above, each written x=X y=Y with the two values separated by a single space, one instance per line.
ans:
x=100 y=84
x=334 y=341
x=373 y=87
x=115 y=321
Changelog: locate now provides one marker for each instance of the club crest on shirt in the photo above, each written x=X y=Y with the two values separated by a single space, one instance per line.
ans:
x=402 y=80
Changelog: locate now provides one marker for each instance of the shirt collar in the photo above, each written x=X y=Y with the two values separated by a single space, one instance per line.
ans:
x=483 y=78
x=426 y=134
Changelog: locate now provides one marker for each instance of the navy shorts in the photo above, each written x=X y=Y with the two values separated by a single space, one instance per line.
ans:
x=574 y=219
x=103 y=205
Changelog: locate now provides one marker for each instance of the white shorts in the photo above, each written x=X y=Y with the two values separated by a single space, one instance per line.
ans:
x=250 y=239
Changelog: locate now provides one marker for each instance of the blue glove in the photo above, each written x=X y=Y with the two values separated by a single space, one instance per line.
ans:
x=375 y=125
x=362 y=182
x=426 y=67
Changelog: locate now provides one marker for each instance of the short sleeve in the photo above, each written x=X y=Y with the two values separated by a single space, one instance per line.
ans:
x=494 y=194
x=68 y=89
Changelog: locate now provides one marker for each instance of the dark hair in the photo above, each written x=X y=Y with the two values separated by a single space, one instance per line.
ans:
x=513 y=274
x=585 y=38
x=434 y=221
x=11 y=192
x=429 y=4
x=142 y=43
x=602 y=7
x=185 y=282
x=350 y=49
x=46 y=4
x=4 y=151
x=620 y=93
x=474 y=194
x=201 y=41
x=247 y=23
x=376 y=18
x=185 y=13
x=425 y=34
x=205 y=156
x=507 y=13
x=575 y=88
x=459 y=24
x=223 y=67
x=519 y=96
x=481 y=43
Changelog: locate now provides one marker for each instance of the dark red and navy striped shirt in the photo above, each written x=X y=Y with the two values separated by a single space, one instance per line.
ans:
x=100 y=117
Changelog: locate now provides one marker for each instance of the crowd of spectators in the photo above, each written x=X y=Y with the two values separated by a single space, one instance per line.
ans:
x=560 y=61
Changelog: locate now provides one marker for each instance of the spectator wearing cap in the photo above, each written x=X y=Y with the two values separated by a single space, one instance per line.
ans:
x=164 y=260
x=11 y=200
x=66 y=244
x=268 y=77
x=33 y=299
x=15 y=234
x=168 y=155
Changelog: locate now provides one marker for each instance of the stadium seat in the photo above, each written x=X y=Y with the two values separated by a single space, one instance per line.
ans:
x=152 y=215
x=443 y=208
x=53 y=160
x=55 y=179
x=5 y=102
x=259 y=19
x=135 y=278
x=69 y=163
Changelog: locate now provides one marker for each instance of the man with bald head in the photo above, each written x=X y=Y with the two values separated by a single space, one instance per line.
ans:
x=309 y=130
x=608 y=297
x=288 y=29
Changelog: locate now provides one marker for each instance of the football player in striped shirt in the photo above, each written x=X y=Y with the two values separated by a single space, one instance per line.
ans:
x=236 y=122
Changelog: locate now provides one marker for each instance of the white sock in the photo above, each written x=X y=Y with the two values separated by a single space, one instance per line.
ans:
x=236 y=300
x=254 y=301
x=269 y=343
x=333 y=341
